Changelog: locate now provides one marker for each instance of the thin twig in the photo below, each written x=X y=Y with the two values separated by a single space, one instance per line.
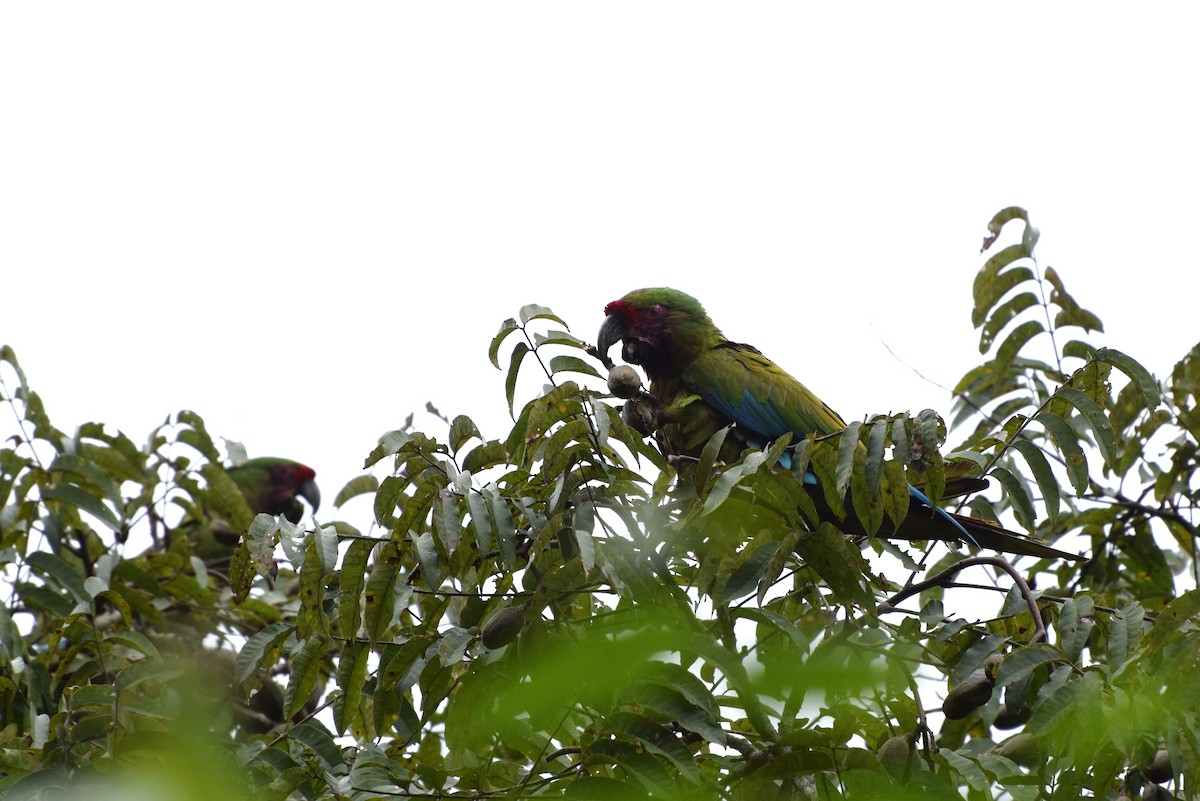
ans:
x=939 y=580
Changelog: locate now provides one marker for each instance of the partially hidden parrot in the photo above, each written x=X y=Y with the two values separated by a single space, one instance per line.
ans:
x=272 y=486
x=704 y=383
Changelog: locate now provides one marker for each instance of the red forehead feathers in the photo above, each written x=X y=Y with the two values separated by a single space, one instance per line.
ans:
x=299 y=473
x=620 y=308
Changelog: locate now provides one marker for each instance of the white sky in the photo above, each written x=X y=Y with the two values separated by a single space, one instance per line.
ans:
x=305 y=220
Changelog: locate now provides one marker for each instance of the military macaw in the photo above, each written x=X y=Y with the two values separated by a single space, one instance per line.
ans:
x=704 y=382
x=272 y=486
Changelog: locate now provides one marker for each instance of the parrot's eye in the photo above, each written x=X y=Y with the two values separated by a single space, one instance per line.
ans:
x=657 y=310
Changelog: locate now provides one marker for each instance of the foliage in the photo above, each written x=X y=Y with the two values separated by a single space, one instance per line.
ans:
x=562 y=611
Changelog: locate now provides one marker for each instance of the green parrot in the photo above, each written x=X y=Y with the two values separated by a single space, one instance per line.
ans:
x=703 y=383
x=271 y=486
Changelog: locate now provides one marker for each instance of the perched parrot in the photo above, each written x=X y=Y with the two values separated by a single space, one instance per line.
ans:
x=272 y=486
x=704 y=383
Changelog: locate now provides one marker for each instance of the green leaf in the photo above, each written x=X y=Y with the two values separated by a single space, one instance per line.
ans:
x=1078 y=350
x=224 y=497
x=504 y=527
x=585 y=519
x=730 y=478
x=1024 y=660
x=506 y=328
x=1068 y=446
x=352 y=578
x=895 y=491
x=992 y=285
x=1124 y=634
x=312 y=619
x=361 y=485
x=1065 y=703
x=1074 y=625
x=1173 y=616
x=82 y=499
x=745 y=577
x=306 y=672
x=967 y=768
x=487 y=455
x=389 y=444
x=708 y=456
x=447 y=520
x=533 y=311
x=1106 y=441
x=829 y=553
x=261 y=649
x=572 y=364
x=1136 y=373
x=1002 y=316
x=380 y=596
x=514 y=366
x=427 y=553
x=877 y=439
x=555 y=337
x=823 y=458
x=868 y=503
x=66 y=576
x=462 y=430
x=161 y=670
x=481 y=521
x=133 y=640
x=1017 y=339
x=320 y=741
x=416 y=507
x=1000 y=219
x=1047 y=483
x=847 y=445
x=1018 y=496
x=351 y=677
x=655 y=739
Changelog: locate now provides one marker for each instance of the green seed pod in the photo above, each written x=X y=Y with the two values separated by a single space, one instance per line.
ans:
x=624 y=381
x=895 y=755
x=1021 y=748
x=504 y=626
x=968 y=695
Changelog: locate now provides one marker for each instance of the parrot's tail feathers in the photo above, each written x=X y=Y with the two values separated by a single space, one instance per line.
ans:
x=989 y=535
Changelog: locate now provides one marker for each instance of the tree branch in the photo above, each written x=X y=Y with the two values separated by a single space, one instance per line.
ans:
x=942 y=580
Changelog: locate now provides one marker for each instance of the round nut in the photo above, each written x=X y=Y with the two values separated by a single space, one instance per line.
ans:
x=624 y=381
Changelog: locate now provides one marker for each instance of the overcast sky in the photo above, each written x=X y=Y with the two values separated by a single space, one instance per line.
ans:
x=304 y=221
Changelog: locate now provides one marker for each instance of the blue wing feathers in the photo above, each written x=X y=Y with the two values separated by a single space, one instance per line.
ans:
x=762 y=418
x=920 y=496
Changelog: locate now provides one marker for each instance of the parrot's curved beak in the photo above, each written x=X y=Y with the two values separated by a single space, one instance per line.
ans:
x=612 y=331
x=309 y=492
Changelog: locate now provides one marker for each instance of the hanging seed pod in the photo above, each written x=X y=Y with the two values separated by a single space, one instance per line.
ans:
x=968 y=695
x=1021 y=748
x=1159 y=770
x=504 y=626
x=896 y=755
